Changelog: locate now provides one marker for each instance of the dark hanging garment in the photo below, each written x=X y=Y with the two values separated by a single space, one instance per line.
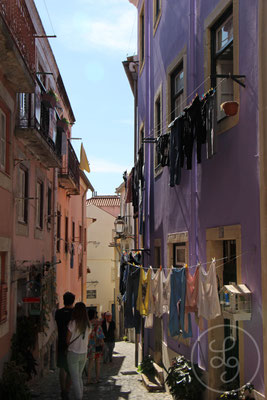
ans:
x=132 y=317
x=123 y=265
x=196 y=126
x=188 y=138
x=135 y=191
x=162 y=148
x=140 y=166
x=176 y=152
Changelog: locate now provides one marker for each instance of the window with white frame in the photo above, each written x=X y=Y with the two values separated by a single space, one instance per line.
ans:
x=222 y=59
x=179 y=254
x=23 y=194
x=3 y=140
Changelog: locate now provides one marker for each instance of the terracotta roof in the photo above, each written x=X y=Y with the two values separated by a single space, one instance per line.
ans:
x=104 y=201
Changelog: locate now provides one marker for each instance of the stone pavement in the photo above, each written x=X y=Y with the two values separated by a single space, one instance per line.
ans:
x=119 y=381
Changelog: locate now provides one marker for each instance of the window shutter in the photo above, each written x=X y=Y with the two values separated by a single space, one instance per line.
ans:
x=3 y=302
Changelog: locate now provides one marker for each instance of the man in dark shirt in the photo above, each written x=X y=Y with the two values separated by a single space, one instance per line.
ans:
x=108 y=326
x=63 y=317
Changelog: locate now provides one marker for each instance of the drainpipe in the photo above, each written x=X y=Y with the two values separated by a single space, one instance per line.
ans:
x=83 y=239
x=192 y=79
x=54 y=221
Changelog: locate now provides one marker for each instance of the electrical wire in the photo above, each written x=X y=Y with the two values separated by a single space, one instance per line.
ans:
x=44 y=1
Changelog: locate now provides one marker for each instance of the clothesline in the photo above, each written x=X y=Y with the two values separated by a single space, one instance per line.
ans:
x=197 y=265
x=160 y=131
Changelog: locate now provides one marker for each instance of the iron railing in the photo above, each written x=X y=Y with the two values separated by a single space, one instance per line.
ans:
x=17 y=18
x=71 y=166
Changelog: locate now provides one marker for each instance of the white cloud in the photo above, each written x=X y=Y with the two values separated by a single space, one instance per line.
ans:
x=104 y=166
x=112 y=31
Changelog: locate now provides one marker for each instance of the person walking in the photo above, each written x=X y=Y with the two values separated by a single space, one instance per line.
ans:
x=95 y=346
x=108 y=327
x=79 y=329
x=63 y=317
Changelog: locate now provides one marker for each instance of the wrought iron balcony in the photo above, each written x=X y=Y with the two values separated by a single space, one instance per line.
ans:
x=36 y=127
x=69 y=176
x=17 y=45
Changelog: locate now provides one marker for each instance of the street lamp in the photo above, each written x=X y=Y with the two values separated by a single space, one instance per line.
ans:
x=119 y=225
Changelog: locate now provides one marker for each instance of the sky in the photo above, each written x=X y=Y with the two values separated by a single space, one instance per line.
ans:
x=93 y=38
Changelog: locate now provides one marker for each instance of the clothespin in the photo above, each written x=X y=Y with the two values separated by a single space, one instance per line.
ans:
x=160 y=267
x=185 y=266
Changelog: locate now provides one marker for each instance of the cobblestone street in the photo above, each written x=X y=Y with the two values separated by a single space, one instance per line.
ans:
x=119 y=380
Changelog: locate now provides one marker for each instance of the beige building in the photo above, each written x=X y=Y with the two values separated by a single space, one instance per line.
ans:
x=101 y=213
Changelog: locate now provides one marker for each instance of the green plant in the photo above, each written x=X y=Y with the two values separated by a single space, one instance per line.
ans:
x=146 y=366
x=12 y=384
x=65 y=120
x=23 y=342
x=52 y=93
x=236 y=393
x=182 y=380
x=125 y=338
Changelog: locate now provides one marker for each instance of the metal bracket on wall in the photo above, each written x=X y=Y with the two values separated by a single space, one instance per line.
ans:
x=235 y=78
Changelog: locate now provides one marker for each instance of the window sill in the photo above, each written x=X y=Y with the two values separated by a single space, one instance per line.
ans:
x=227 y=123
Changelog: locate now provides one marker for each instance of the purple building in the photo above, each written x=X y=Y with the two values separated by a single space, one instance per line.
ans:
x=211 y=201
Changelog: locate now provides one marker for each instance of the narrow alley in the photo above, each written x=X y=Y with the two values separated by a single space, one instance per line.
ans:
x=119 y=380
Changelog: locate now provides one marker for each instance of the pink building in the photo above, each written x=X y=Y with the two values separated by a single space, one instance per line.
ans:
x=42 y=190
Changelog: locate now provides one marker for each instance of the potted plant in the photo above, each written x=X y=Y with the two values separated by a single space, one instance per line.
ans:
x=230 y=108
x=50 y=98
x=62 y=124
x=182 y=380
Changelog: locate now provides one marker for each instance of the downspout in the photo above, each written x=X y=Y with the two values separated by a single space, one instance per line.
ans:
x=83 y=240
x=192 y=79
x=54 y=222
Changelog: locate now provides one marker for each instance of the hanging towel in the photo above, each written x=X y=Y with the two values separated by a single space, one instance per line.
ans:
x=191 y=297
x=177 y=305
x=143 y=292
x=208 y=297
x=153 y=298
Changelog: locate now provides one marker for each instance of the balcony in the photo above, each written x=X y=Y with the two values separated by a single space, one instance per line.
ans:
x=69 y=176
x=36 y=126
x=17 y=45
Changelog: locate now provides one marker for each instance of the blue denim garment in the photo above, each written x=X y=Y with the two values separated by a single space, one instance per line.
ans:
x=178 y=290
x=132 y=317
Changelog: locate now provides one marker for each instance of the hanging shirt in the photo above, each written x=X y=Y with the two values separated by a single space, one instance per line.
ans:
x=165 y=292
x=153 y=298
x=177 y=304
x=208 y=297
x=143 y=292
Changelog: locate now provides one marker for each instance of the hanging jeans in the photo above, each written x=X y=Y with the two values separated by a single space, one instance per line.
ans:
x=177 y=304
x=131 y=314
x=176 y=154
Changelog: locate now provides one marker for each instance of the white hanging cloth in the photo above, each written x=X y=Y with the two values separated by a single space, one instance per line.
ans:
x=208 y=297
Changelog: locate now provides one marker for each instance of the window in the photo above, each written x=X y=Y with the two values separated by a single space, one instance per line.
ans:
x=39 y=204
x=80 y=234
x=73 y=231
x=157 y=125
x=177 y=91
x=66 y=234
x=157 y=260
x=142 y=37
x=49 y=206
x=58 y=229
x=91 y=294
x=23 y=194
x=179 y=254
x=3 y=140
x=222 y=62
x=3 y=287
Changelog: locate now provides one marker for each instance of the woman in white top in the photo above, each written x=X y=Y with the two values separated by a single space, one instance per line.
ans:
x=79 y=329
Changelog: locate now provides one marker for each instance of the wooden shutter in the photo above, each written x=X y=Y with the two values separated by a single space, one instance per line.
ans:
x=3 y=302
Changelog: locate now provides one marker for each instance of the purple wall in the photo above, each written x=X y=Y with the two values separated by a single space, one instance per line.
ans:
x=228 y=184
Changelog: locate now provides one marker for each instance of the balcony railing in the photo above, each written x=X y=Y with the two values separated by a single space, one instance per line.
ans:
x=70 y=172
x=35 y=127
x=17 y=18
